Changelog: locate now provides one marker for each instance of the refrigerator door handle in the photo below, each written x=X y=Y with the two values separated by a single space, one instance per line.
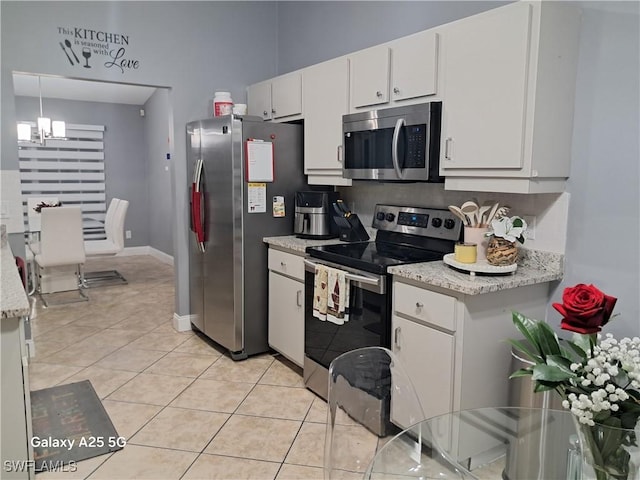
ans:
x=196 y=205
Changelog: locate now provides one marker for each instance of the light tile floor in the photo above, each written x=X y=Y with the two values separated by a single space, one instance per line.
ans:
x=185 y=408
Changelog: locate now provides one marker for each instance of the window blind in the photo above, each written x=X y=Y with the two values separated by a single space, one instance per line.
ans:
x=70 y=169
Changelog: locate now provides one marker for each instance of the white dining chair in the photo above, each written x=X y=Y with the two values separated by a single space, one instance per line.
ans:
x=112 y=245
x=60 y=256
x=363 y=384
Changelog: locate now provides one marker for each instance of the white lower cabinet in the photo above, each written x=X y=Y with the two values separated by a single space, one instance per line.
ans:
x=454 y=348
x=286 y=305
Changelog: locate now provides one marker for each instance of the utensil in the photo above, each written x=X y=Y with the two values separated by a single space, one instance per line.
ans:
x=68 y=44
x=458 y=213
x=492 y=213
x=501 y=212
x=471 y=210
x=65 y=52
x=483 y=209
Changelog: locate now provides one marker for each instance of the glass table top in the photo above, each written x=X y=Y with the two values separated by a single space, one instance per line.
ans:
x=485 y=443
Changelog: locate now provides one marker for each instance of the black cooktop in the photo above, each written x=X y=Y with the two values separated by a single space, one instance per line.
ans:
x=372 y=257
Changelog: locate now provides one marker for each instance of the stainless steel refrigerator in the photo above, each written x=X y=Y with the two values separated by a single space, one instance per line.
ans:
x=233 y=206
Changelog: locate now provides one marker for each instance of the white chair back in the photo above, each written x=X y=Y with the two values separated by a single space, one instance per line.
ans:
x=111 y=213
x=115 y=231
x=61 y=238
x=33 y=217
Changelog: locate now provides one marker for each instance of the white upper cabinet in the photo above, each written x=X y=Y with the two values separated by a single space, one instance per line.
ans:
x=414 y=61
x=326 y=99
x=370 y=76
x=259 y=100
x=405 y=69
x=508 y=98
x=278 y=98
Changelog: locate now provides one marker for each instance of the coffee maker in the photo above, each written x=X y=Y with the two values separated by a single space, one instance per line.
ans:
x=313 y=217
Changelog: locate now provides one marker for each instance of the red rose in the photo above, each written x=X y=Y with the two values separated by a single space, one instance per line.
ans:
x=585 y=309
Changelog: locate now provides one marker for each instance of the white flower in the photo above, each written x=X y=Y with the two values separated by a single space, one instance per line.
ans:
x=504 y=228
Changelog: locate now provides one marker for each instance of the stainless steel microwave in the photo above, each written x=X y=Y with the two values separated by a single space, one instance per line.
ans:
x=393 y=144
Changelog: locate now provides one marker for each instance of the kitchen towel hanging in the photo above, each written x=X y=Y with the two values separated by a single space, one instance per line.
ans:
x=330 y=295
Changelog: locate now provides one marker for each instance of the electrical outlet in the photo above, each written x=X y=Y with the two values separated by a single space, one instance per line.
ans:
x=530 y=234
x=127 y=234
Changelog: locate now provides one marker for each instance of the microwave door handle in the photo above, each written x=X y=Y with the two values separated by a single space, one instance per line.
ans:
x=394 y=148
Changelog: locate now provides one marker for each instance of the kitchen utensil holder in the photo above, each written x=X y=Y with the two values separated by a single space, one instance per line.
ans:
x=351 y=229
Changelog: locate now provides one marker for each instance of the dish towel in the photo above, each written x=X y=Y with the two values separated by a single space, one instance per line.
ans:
x=337 y=296
x=320 y=293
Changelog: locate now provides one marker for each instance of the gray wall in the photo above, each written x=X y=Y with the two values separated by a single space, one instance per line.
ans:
x=312 y=32
x=603 y=229
x=125 y=156
x=194 y=48
x=160 y=198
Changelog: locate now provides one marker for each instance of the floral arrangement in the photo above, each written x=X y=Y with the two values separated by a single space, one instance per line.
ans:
x=509 y=228
x=597 y=377
x=38 y=208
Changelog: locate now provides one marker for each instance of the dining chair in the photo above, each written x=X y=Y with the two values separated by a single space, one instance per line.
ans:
x=112 y=245
x=60 y=256
x=368 y=389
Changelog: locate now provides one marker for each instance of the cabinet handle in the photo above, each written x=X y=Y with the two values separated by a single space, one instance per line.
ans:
x=447 y=148
x=339 y=153
x=283 y=264
x=379 y=94
x=299 y=298
x=396 y=90
x=265 y=113
x=419 y=305
x=273 y=111
x=396 y=338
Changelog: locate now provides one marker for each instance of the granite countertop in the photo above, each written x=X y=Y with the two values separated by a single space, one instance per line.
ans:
x=533 y=267
x=13 y=298
x=295 y=244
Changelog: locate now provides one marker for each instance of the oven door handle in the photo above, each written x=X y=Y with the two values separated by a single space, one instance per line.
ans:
x=351 y=276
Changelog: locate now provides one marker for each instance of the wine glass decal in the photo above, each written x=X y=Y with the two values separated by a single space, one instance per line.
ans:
x=86 y=53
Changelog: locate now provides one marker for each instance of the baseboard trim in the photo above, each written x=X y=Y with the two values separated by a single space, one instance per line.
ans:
x=147 y=250
x=182 y=323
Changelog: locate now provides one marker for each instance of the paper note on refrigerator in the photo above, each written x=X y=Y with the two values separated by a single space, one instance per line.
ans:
x=259 y=161
x=257 y=198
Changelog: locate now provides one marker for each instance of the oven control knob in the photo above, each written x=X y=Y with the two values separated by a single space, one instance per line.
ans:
x=449 y=223
x=380 y=216
x=390 y=217
x=436 y=222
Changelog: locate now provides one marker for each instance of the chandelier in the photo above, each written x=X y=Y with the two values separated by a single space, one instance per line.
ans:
x=46 y=129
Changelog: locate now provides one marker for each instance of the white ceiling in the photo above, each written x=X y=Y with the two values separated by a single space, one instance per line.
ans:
x=85 y=90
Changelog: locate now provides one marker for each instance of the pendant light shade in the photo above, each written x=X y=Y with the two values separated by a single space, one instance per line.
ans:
x=24 y=132
x=46 y=128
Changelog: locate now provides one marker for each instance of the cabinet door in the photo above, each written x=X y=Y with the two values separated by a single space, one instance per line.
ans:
x=486 y=61
x=286 y=95
x=325 y=96
x=259 y=100
x=370 y=77
x=427 y=355
x=286 y=317
x=414 y=66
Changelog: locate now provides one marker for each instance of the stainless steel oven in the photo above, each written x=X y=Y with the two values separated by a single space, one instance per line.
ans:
x=369 y=322
x=393 y=144
x=404 y=235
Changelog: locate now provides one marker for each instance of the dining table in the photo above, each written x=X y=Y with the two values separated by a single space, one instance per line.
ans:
x=491 y=443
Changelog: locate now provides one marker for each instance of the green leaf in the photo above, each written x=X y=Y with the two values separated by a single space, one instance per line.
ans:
x=525 y=326
x=547 y=338
x=542 y=386
x=562 y=363
x=523 y=372
x=550 y=373
x=582 y=342
x=577 y=349
x=523 y=348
